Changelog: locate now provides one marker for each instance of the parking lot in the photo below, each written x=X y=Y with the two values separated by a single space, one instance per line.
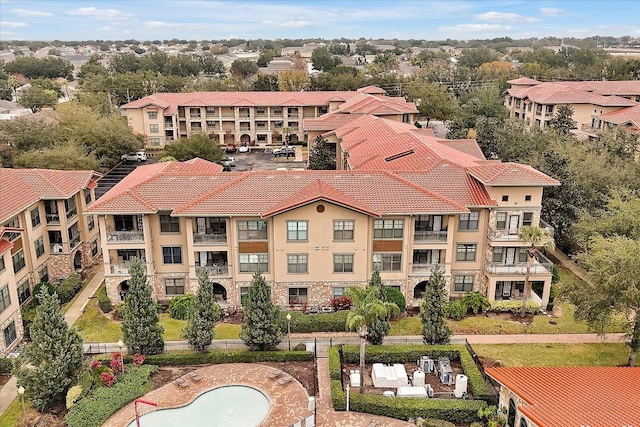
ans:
x=259 y=159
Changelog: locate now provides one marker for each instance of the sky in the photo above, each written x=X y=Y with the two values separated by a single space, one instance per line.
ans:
x=328 y=19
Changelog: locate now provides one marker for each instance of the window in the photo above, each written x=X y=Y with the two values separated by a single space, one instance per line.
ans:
x=169 y=224
x=18 y=261
x=2 y=265
x=174 y=286
x=298 y=296
x=91 y=222
x=343 y=230
x=261 y=111
x=251 y=263
x=94 y=248
x=87 y=197
x=343 y=263
x=497 y=255
x=387 y=262
x=43 y=274
x=527 y=198
x=153 y=128
x=252 y=230
x=153 y=115
x=501 y=220
x=338 y=291
x=523 y=422
x=14 y=223
x=39 y=245
x=172 y=254
x=469 y=221
x=154 y=141
x=123 y=222
x=505 y=197
x=388 y=228
x=297 y=230
x=527 y=219
x=466 y=252
x=405 y=118
x=262 y=138
x=35 y=217
x=463 y=283
x=277 y=111
x=211 y=111
x=297 y=263
x=10 y=334
x=323 y=110
x=5 y=299
x=244 y=290
x=24 y=291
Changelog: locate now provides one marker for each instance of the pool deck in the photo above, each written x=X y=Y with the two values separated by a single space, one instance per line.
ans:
x=288 y=403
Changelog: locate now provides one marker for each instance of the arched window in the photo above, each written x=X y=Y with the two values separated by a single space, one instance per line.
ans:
x=511 y=415
x=523 y=422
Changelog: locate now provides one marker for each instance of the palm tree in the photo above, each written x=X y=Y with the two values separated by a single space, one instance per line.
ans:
x=368 y=307
x=536 y=237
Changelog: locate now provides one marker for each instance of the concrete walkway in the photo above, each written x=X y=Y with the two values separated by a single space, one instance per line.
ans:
x=9 y=392
x=563 y=259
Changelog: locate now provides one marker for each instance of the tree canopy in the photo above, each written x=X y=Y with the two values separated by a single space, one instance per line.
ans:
x=261 y=327
x=321 y=156
x=198 y=145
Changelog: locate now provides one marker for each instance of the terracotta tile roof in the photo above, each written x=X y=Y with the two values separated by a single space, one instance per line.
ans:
x=523 y=81
x=328 y=121
x=20 y=188
x=373 y=90
x=496 y=173
x=468 y=146
x=561 y=93
x=625 y=115
x=607 y=88
x=365 y=103
x=5 y=245
x=575 y=396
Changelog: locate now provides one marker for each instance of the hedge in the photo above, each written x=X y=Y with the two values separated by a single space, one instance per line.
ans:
x=103 y=402
x=321 y=322
x=6 y=365
x=411 y=353
x=103 y=300
x=335 y=371
x=218 y=357
x=514 y=307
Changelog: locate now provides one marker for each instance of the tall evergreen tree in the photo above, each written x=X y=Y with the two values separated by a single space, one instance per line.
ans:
x=380 y=327
x=563 y=121
x=50 y=363
x=261 y=328
x=141 y=328
x=432 y=316
x=203 y=315
x=321 y=157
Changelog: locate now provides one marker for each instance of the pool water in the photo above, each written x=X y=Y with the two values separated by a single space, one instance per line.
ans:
x=234 y=406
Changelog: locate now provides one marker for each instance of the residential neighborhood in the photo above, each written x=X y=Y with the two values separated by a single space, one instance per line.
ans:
x=299 y=215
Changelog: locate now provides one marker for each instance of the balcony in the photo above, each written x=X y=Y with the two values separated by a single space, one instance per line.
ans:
x=541 y=265
x=545 y=226
x=245 y=128
x=75 y=241
x=168 y=125
x=430 y=236
x=425 y=269
x=122 y=268
x=125 y=236
x=195 y=116
x=71 y=213
x=59 y=248
x=209 y=238
x=214 y=270
x=52 y=218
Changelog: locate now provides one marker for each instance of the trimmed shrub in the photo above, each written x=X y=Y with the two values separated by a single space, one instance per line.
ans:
x=103 y=300
x=118 y=312
x=73 y=394
x=179 y=306
x=6 y=365
x=432 y=422
x=338 y=397
x=396 y=297
x=335 y=371
x=475 y=302
x=455 y=309
x=514 y=307
x=68 y=288
x=322 y=322
x=217 y=357
x=102 y=402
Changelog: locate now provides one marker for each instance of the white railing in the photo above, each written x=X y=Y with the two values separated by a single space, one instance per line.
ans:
x=214 y=270
x=125 y=236
x=430 y=236
x=541 y=265
x=425 y=269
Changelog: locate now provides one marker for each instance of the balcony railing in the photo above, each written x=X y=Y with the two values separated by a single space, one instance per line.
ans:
x=59 y=248
x=204 y=239
x=541 y=265
x=429 y=236
x=214 y=270
x=71 y=213
x=53 y=218
x=545 y=226
x=125 y=236
x=75 y=241
x=123 y=268
x=168 y=125
x=425 y=269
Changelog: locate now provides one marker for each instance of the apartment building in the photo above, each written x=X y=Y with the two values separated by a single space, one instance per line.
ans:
x=257 y=118
x=43 y=236
x=536 y=103
x=627 y=118
x=315 y=233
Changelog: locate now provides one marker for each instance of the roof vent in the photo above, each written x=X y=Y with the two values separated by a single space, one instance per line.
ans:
x=399 y=155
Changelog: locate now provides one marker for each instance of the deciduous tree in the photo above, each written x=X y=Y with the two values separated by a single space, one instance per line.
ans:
x=432 y=100
x=198 y=145
x=37 y=98
x=261 y=327
x=67 y=155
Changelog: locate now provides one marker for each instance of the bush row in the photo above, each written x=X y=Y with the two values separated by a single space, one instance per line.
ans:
x=335 y=371
x=103 y=402
x=68 y=288
x=322 y=322
x=217 y=357
x=514 y=307
x=103 y=300
x=411 y=353
x=6 y=365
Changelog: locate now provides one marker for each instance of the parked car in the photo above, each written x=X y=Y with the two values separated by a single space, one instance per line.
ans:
x=243 y=149
x=286 y=151
x=140 y=156
x=230 y=148
x=228 y=161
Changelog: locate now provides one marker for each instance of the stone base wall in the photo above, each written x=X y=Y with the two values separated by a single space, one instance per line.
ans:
x=60 y=265
x=15 y=317
x=87 y=258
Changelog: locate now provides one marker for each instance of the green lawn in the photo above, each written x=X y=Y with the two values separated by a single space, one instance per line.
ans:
x=12 y=415
x=555 y=354
x=226 y=331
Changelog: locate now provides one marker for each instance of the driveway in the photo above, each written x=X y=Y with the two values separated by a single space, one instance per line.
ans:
x=260 y=159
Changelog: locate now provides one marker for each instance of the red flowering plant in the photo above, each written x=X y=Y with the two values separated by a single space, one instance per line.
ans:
x=108 y=379
x=95 y=365
x=138 y=359
x=116 y=363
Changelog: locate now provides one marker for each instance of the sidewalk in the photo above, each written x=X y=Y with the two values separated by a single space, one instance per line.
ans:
x=9 y=392
x=568 y=263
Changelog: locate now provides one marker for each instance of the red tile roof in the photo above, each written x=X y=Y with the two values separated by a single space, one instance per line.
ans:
x=523 y=81
x=623 y=116
x=20 y=188
x=607 y=88
x=365 y=103
x=509 y=174
x=561 y=93
x=575 y=396
x=5 y=245
x=468 y=146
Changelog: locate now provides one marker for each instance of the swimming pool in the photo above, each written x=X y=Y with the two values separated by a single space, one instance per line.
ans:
x=236 y=406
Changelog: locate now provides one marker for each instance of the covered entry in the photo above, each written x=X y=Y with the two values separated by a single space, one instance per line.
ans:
x=419 y=292
x=123 y=288
x=219 y=294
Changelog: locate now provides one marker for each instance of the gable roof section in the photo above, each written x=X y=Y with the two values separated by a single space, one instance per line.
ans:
x=20 y=188
x=561 y=93
x=5 y=245
x=575 y=396
x=495 y=173
x=625 y=115
x=523 y=81
x=377 y=105
x=467 y=146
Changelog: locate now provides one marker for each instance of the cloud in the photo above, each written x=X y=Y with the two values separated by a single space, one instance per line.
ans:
x=161 y=24
x=100 y=14
x=31 y=13
x=505 y=17
x=475 y=27
x=7 y=24
x=290 y=23
x=551 y=11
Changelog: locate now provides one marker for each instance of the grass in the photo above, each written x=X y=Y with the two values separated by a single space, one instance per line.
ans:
x=172 y=327
x=555 y=354
x=12 y=415
x=226 y=331
x=68 y=305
